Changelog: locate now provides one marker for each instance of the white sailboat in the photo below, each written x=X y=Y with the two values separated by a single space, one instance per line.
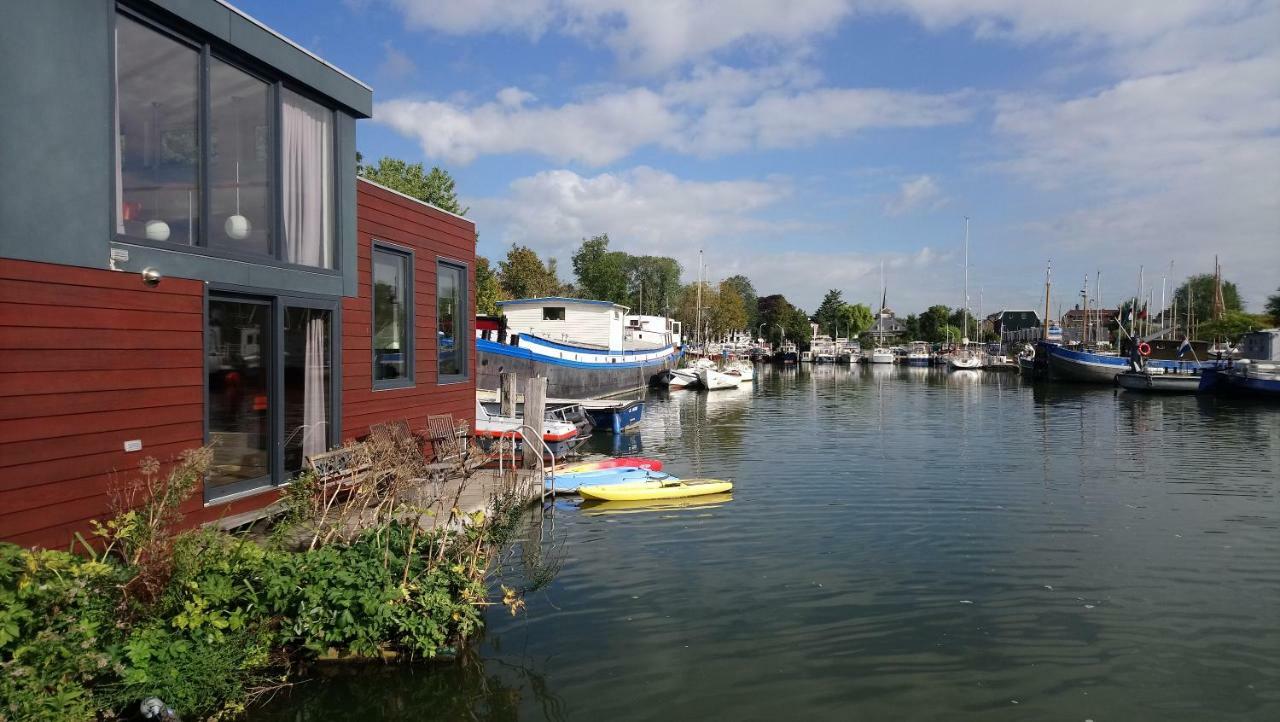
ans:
x=880 y=354
x=744 y=370
x=968 y=356
x=713 y=380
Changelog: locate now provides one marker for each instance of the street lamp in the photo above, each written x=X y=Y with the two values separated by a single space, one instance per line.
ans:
x=760 y=330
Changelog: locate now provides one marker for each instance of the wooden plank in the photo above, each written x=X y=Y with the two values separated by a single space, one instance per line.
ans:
x=84 y=339
x=22 y=384
x=52 y=427
x=74 y=467
x=22 y=407
x=96 y=278
x=28 y=452
x=23 y=314
x=45 y=360
x=63 y=294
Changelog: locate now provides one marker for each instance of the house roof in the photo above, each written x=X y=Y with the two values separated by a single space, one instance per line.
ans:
x=561 y=300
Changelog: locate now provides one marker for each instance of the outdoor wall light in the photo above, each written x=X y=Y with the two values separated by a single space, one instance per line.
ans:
x=151 y=276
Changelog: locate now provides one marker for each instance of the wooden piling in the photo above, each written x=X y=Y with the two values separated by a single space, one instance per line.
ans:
x=508 y=397
x=535 y=409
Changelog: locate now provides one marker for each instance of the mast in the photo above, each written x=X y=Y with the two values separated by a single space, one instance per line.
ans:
x=1097 y=310
x=1084 y=319
x=1219 y=306
x=1048 y=274
x=699 y=314
x=965 y=317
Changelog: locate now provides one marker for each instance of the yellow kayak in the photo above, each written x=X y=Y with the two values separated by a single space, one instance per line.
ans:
x=654 y=489
x=646 y=506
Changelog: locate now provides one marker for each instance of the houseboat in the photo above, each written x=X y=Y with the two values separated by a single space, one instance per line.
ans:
x=582 y=347
x=187 y=258
x=1256 y=373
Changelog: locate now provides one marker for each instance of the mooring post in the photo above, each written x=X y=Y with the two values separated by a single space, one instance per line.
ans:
x=508 y=398
x=535 y=408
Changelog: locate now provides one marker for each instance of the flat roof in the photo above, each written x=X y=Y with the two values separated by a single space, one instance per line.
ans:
x=315 y=57
x=561 y=300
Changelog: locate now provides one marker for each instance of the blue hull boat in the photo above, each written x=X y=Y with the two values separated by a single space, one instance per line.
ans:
x=1067 y=364
x=569 y=483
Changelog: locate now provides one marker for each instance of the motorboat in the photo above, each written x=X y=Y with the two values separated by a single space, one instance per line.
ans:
x=881 y=355
x=713 y=380
x=682 y=379
x=744 y=370
x=918 y=353
x=1156 y=380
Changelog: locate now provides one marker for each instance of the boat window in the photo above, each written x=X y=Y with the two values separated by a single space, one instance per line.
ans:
x=392 y=318
x=553 y=313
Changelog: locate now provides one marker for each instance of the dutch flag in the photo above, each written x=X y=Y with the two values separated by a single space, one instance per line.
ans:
x=1184 y=347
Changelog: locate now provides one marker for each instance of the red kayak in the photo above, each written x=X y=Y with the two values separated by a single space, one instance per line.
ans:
x=634 y=461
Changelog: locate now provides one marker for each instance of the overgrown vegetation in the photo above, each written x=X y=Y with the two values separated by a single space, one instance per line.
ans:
x=209 y=621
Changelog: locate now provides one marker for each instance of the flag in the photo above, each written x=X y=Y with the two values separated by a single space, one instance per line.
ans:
x=1184 y=347
x=1128 y=315
x=1143 y=312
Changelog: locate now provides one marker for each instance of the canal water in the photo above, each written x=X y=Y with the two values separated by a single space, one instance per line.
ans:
x=901 y=544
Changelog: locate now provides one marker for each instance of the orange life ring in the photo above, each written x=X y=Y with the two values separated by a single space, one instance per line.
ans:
x=1144 y=348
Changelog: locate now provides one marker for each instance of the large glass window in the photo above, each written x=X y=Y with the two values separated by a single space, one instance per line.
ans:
x=252 y=189
x=307 y=161
x=236 y=364
x=157 y=135
x=392 y=317
x=451 y=321
x=306 y=384
x=241 y=197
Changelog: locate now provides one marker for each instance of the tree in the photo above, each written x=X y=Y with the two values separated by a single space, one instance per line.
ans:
x=775 y=311
x=747 y=292
x=654 y=282
x=855 y=318
x=435 y=187
x=933 y=323
x=912 y=327
x=686 y=311
x=601 y=273
x=728 y=313
x=523 y=275
x=829 y=311
x=1201 y=290
x=488 y=290
x=1273 y=307
x=1232 y=326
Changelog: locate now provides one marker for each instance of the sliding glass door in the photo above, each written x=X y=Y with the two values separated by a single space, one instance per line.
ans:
x=270 y=387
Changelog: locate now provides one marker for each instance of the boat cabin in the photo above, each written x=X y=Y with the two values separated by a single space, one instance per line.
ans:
x=1261 y=345
x=581 y=322
x=652 y=330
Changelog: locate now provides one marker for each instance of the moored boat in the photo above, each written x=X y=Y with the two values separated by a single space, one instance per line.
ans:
x=1258 y=379
x=1155 y=381
x=560 y=437
x=713 y=380
x=1074 y=364
x=580 y=346
x=918 y=353
x=742 y=369
x=881 y=355
x=642 y=490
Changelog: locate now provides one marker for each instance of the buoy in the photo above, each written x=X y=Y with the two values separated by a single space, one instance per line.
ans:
x=1144 y=348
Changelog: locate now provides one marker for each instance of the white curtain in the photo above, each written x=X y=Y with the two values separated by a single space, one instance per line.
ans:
x=307 y=154
x=315 y=438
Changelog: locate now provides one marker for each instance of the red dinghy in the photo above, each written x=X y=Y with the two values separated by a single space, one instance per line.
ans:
x=613 y=463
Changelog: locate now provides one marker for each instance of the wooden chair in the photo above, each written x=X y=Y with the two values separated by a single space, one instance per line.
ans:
x=453 y=447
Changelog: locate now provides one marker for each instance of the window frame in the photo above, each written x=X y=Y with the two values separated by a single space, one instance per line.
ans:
x=410 y=378
x=210 y=49
x=462 y=343
x=564 y=313
x=276 y=305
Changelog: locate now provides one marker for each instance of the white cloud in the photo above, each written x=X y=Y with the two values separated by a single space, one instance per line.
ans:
x=919 y=192
x=530 y=17
x=714 y=111
x=594 y=132
x=649 y=210
x=395 y=65
x=1177 y=165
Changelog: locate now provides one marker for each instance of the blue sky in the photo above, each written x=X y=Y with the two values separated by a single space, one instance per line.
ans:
x=804 y=143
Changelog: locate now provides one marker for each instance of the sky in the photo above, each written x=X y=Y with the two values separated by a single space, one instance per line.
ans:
x=806 y=143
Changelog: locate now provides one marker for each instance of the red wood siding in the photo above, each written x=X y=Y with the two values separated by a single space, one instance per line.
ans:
x=90 y=359
x=386 y=216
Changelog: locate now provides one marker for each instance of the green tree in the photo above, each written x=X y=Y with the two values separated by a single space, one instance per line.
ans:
x=728 y=313
x=1200 y=288
x=412 y=179
x=1273 y=307
x=1232 y=326
x=657 y=279
x=747 y=292
x=601 y=273
x=829 y=312
x=775 y=311
x=855 y=318
x=912 y=327
x=488 y=289
x=523 y=275
x=933 y=323
x=686 y=311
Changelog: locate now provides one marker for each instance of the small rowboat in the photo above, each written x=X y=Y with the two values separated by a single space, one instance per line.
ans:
x=612 y=463
x=670 y=488
x=1155 y=383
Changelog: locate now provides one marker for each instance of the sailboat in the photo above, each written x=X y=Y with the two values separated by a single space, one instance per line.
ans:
x=968 y=356
x=880 y=354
